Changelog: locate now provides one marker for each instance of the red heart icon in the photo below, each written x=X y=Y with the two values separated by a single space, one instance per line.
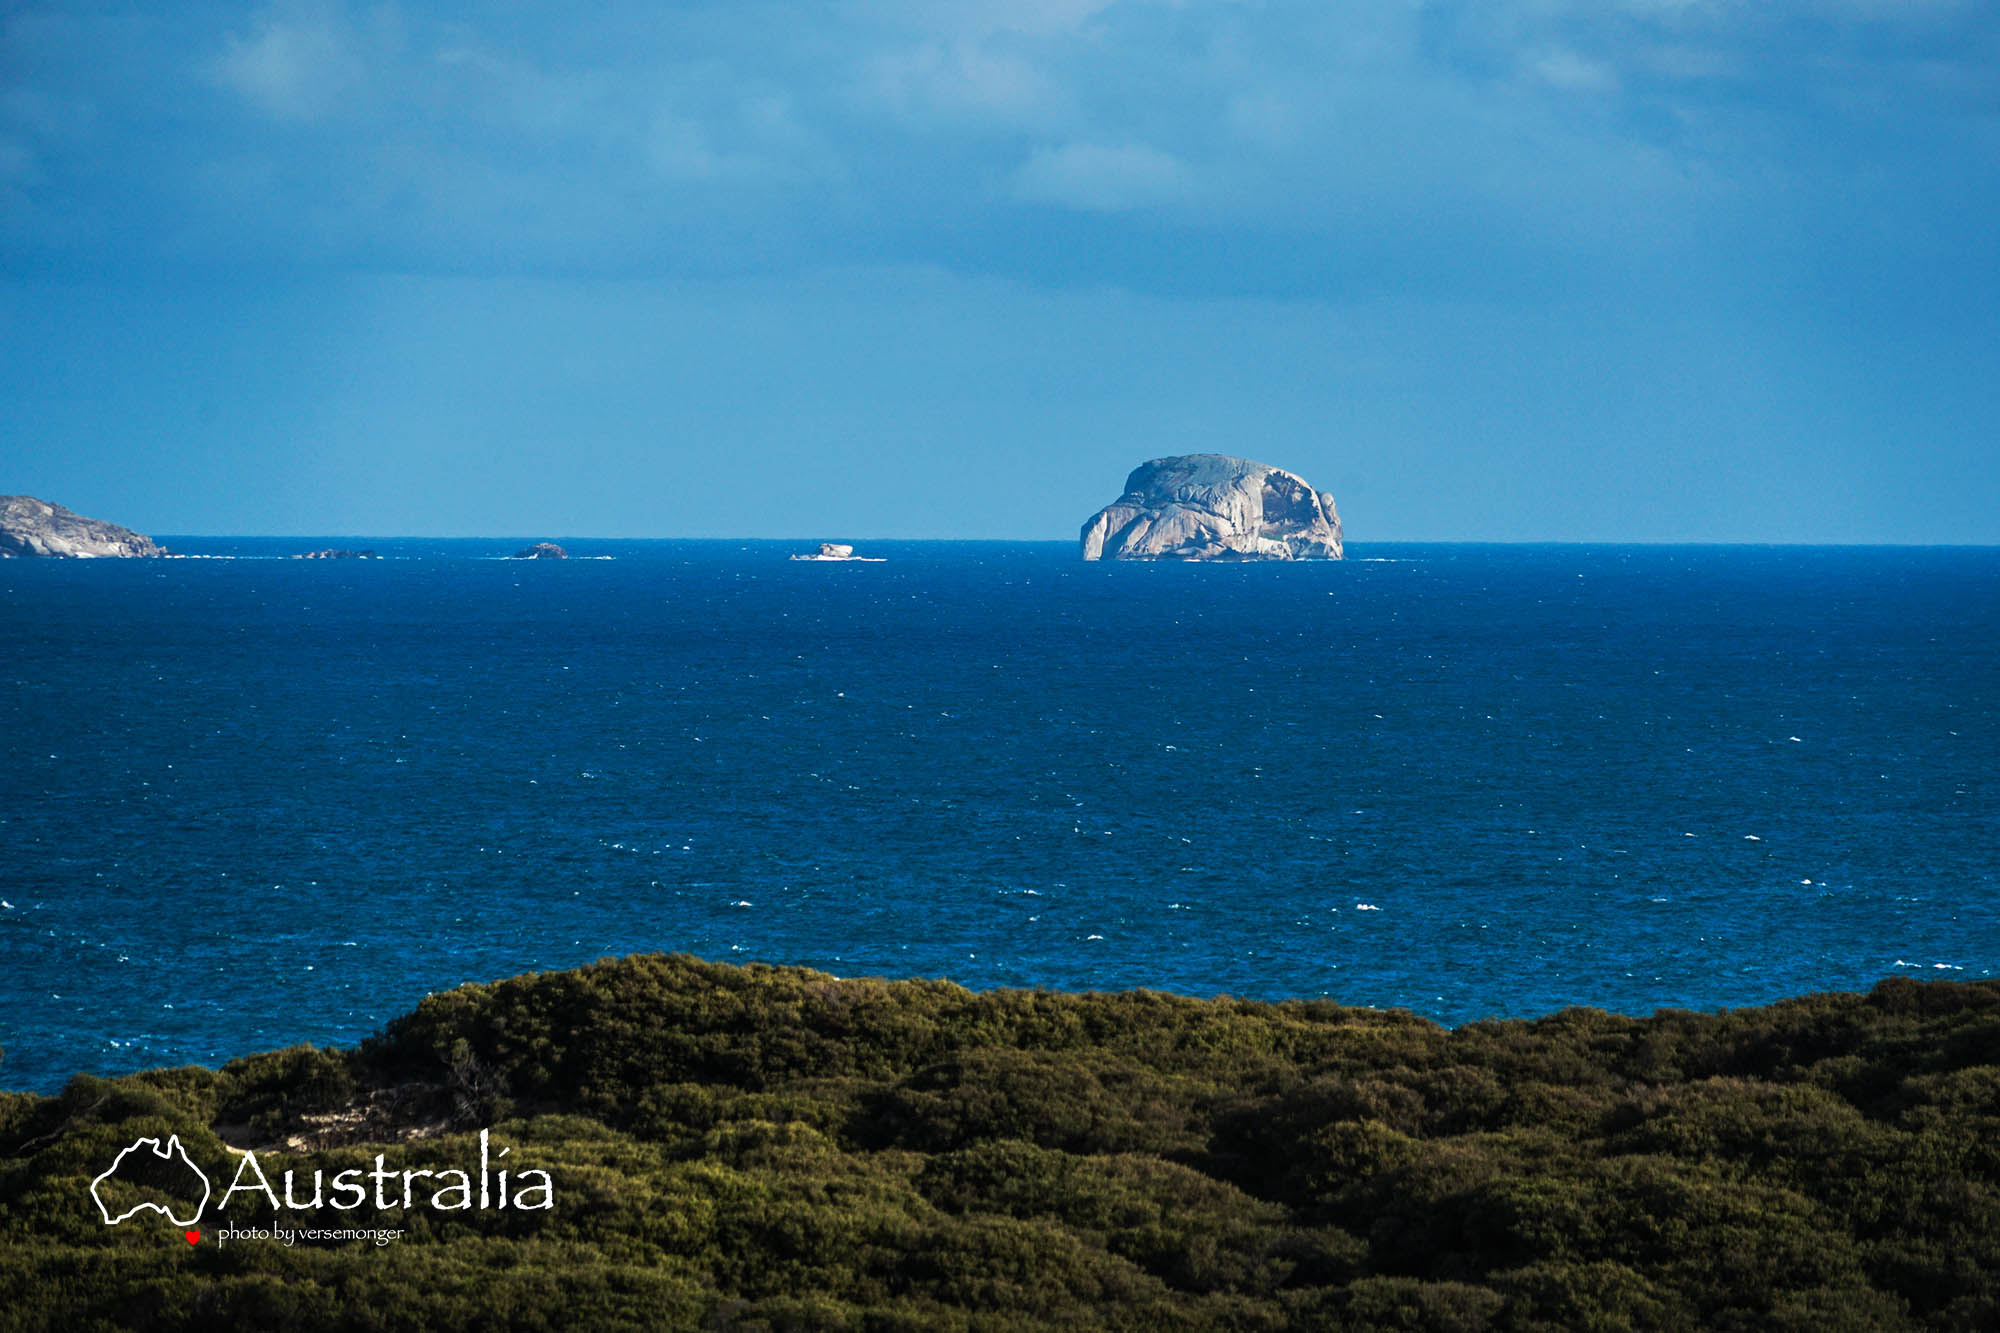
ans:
x=194 y=1237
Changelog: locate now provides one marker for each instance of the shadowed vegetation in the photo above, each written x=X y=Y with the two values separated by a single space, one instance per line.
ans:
x=772 y=1148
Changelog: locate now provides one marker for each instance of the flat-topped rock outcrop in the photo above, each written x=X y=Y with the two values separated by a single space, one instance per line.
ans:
x=31 y=527
x=1214 y=507
x=540 y=551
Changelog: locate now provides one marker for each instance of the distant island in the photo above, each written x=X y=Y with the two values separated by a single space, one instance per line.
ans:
x=336 y=553
x=31 y=527
x=839 y=551
x=1214 y=507
x=540 y=551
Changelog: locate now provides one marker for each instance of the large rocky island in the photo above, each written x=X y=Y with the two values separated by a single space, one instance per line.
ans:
x=1214 y=507
x=31 y=527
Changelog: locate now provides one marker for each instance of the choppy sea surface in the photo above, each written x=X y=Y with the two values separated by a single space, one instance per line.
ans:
x=251 y=801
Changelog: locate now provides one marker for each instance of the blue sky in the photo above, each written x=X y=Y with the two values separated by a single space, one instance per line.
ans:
x=1660 y=270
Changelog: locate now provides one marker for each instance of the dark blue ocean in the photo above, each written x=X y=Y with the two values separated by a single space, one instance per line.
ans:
x=254 y=801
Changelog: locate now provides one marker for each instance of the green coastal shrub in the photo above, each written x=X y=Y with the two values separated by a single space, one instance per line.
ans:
x=772 y=1148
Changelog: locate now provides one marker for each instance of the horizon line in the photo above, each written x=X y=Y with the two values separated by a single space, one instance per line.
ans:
x=1069 y=541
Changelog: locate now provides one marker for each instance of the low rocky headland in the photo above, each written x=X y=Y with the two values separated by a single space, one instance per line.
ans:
x=1214 y=507
x=31 y=527
x=766 y=1147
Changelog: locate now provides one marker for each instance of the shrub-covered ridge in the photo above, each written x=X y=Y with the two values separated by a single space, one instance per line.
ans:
x=758 y=1147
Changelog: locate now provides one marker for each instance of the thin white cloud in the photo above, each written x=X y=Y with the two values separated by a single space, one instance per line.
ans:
x=755 y=137
x=1263 y=117
x=1570 y=72
x=413 y=133
x=1035 y=18
x=679 y=149
x=959 y=81
x=300 y=61
x=1102 y=178
x=518 y=94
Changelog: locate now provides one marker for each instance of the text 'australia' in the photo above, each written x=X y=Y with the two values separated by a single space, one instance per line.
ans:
x=450 y=1189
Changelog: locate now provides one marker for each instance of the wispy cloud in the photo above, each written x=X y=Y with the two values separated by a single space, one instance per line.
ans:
x=944 y=85
x=778 y=133
x=1039 y=18
x=299 y=61
x=1560 y=68
x=1101 y=178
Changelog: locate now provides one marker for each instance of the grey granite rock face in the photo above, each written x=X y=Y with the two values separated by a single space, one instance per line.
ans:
x=31 y=527
x=1213 y=507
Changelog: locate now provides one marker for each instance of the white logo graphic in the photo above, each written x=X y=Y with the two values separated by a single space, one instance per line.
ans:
x=151 y=1176
x=165 y=1181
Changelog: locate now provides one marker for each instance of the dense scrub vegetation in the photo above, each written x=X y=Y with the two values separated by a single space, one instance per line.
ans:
x=760 y=1147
